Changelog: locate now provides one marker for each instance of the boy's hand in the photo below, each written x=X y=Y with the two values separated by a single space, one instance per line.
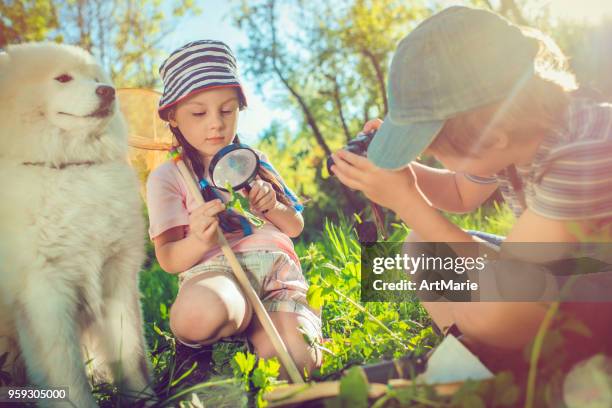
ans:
x=390 y=188
x=203 y=221
x=372 y=124
x=262 y=196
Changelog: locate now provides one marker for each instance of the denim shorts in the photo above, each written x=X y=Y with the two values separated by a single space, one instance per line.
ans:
x=496 y=240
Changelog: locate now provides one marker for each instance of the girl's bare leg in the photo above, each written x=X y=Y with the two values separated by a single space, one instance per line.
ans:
x=208 y=308
x=287 y=324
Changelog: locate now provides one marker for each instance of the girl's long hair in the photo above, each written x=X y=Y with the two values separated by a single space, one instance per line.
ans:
x=194 y=160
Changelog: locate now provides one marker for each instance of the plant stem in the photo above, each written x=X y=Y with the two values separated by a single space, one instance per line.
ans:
x=200 y=386
x=535 y=352
x=368 y=314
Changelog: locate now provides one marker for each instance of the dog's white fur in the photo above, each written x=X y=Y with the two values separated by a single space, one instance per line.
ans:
x=72 y=238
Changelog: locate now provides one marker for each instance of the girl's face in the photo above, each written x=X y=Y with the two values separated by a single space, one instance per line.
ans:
x=208 y=119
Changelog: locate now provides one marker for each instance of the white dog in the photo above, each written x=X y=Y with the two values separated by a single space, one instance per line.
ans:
x=71 y=227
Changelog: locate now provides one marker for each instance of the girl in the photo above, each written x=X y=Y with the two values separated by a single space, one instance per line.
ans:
x=201 y=100
x=495 y=105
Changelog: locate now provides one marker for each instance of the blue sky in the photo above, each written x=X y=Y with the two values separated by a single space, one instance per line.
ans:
x=215 y=23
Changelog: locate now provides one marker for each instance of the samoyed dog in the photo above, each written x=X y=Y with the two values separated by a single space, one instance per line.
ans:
x=72 y=237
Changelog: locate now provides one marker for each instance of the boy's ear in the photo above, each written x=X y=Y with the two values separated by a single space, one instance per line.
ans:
x=499 y=140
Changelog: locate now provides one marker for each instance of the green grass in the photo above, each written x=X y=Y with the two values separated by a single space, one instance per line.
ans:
x=354 y=333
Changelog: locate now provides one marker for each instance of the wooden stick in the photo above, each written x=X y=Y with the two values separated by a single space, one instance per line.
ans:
x=242 y=278
x=298 y=394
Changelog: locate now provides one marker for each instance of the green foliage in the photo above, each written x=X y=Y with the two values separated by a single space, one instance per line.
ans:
x=354 y=333
x=125 y=36
x=240 y=204
x=354 y=389
x=25 y=20
x=327 y=62
x=158 y=289
x=257 y=375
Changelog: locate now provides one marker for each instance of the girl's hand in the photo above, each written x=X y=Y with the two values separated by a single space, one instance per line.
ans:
x=262 y=196
x=390 y=188
x=372 y=124
x=203 y=222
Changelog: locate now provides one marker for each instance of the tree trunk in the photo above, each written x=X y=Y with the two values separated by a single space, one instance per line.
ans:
x=379 y=77
x=338 y=102
x=312 y=123
x=350 y=195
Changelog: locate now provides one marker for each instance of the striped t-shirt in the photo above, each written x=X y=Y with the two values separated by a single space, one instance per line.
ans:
x=571 y=174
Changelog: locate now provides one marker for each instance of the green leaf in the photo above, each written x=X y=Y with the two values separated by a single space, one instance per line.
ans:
x=354 y=388
x=259 y=378
x=163 y=311
x=244 y=362
x=314 y=296
x=358 y=218
x=240 y=204
x=185 y=375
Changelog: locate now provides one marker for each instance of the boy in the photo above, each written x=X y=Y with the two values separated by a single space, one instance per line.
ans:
x=495 y=105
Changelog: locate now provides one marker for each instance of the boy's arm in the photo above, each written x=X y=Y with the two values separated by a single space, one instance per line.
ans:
x=450 y=191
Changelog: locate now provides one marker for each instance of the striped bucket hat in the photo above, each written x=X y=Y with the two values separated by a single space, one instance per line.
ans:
x=194 y=67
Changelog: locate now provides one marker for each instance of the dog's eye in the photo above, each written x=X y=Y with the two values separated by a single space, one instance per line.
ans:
x=63 y=78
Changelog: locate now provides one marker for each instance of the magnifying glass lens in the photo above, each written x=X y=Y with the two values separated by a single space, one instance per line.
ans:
x=237 y=167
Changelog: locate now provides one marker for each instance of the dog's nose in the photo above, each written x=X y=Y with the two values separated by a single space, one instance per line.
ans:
x=107 y=93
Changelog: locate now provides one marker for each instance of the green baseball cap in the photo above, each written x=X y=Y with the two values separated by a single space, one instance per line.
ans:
x=457 y=60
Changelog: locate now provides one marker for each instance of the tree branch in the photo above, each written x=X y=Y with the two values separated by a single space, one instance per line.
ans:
x=338 y=102
x=310 y=119
x=379 y=77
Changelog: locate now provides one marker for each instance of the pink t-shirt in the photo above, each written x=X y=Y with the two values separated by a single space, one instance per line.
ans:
x=170 y=202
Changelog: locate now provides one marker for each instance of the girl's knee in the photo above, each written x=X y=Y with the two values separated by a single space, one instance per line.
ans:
x=303 y=354
x=198 y=319
x=208 y=309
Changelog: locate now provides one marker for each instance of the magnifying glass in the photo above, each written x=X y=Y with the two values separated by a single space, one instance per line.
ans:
x=236 y=164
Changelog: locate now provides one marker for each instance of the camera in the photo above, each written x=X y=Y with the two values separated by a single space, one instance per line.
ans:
x=358 y=145
x=367 y=231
